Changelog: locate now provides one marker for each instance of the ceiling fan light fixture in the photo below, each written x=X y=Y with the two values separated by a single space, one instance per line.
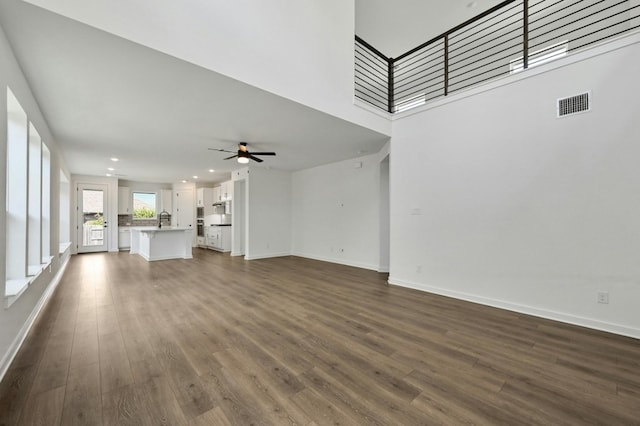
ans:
x=243 y=155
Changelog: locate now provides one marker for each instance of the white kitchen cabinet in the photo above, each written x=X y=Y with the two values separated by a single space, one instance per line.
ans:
x=124 y=238
x=204 y=198
x=201 y=241
x=165 y=200
x=226 y=191
x=218 y=238
x=124 y=200
x=216 y=195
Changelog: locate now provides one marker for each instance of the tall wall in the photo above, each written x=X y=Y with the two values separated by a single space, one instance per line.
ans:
x=336 y=210
x=301 y=50
x=268 y=213
x=17 y=318
x=495 y=200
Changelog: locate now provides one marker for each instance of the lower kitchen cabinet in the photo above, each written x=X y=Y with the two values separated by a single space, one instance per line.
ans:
x=218 y=238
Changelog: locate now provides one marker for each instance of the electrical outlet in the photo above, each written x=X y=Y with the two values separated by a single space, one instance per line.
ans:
x=603 y=297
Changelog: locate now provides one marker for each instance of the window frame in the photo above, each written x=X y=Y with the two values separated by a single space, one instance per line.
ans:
x=133 y=210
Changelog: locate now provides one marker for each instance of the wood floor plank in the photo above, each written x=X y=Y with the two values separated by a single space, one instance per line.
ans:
x=214 y=416
x=251 y=376
x=115 y=370
x=123 y=406
x=14 y=391
x=223 y=389
x=54 y=365
x=185 y=383
x=220 y=340
x=83 y=397
x=161 y=404
x=85 y=349
x=45 y=408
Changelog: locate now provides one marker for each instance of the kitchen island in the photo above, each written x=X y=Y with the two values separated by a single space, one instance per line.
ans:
x=153 y=243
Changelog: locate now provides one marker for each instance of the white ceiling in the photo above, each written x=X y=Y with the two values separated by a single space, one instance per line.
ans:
x=395 y=27
x=104 y=96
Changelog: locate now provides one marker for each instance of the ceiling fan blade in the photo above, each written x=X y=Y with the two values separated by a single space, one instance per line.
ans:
x=259 y=160
x=263 y=153
x=229 y=158
x=217 y=149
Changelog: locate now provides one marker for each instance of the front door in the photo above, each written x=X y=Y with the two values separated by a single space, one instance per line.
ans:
x=93 y=222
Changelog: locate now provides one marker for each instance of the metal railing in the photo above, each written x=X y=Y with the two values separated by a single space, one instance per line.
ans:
x=508 y=38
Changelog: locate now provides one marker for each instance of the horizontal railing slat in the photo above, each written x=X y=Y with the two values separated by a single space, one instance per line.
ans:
x=504 y=39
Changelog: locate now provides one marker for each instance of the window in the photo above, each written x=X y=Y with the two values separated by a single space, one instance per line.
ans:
x=45 y=225
x=407 y=104
x=540 y=57
x=28 y=202
x=144 y=205
x=16 y=207
x=34 y=252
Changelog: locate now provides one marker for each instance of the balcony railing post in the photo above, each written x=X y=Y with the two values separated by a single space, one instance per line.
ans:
x=446 y=64
x=391 y=88
x=525 y=34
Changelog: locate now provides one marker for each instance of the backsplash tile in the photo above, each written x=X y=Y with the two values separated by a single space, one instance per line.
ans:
x=127 y=220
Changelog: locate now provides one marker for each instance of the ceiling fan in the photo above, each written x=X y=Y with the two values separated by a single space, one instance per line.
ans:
x=243 y=154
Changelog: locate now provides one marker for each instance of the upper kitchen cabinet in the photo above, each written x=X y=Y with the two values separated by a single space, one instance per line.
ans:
x=124 y=200
x=204 y=197
x=165 y=200
x=216 y=194
x=226 y=191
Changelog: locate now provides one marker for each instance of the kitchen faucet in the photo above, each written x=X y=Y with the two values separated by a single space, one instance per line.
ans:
x=165 y=213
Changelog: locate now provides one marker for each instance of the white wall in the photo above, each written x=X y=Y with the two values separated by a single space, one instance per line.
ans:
x=301 y=50
x=268 y=213
x=16 y=319
x=335 y=212
x=495 y=200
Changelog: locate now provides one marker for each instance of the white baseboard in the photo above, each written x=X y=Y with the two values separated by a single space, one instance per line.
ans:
x=340 y=261
x=266 y=255
x=8 y=357
x=524 y=309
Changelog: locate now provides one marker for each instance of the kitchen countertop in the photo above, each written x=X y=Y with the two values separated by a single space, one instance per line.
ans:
x=156 y=229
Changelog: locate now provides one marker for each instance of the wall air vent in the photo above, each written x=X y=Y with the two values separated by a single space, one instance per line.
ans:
x=574 y=104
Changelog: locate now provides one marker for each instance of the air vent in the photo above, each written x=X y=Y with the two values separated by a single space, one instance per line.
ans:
x=574 y=104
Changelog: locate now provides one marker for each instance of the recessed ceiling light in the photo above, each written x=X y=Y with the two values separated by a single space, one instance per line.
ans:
x=108 y=174
x=114 y=159
x=211 y=170
x=184 y=181
x=195 y=177
x=110 y=169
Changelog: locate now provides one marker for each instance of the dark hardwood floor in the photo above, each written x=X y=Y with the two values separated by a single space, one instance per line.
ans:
x=220 y=341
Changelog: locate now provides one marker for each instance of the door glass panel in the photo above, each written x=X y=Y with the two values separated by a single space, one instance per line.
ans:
x=93 y=217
